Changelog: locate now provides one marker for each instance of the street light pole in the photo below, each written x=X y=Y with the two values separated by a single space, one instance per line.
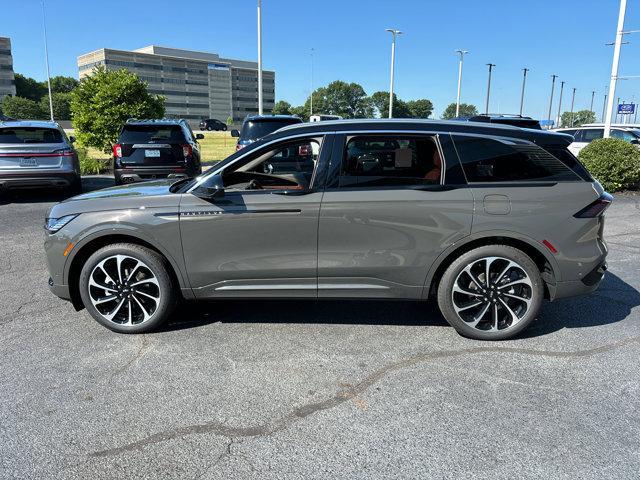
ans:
x=593 y=94
x=461 y=53
x=553 y=85
x=394 y=33
x=260 y=110
x=486 y=109
x=604 y=104
x=573 y=99
x=311 y=96
x=524 y=82
x=617 y=114
x=46 y=57
x=614 y=67
x=560 y=101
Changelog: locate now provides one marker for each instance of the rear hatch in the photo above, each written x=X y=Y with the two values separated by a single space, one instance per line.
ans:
x=152 y=146
x=31 y=149
x=253 y=130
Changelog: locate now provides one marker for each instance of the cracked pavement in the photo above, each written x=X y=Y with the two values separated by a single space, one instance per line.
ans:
x=303 y=389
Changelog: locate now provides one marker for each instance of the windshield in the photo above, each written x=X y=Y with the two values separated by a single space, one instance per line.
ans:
x=253 y=130
x=151 y=133
x=30 y=135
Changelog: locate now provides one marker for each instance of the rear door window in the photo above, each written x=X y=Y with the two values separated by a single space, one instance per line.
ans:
x=152 y=134
x=29 y=135
x=384 y=161
x=488 y=160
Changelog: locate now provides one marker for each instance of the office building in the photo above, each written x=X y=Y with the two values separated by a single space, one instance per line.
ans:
x=7 y=78
x=195 y=85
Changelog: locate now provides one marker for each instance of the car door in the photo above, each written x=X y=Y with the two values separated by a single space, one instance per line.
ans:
x=260 y=238
x=387 y=214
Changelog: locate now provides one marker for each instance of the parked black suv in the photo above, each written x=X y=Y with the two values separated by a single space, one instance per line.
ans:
x=212 y=124
x=150 y=149
x=255 y=127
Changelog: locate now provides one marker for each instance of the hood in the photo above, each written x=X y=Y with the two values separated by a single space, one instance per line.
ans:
x=144 y=189
x=153 y=194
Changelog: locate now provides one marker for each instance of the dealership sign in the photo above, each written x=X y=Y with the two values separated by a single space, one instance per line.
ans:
x=626 y=108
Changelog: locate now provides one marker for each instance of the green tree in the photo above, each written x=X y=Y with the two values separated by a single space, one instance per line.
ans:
x=104 y=100
x=380 y=102
x=61 y=84
x=30 y=88
x=466 y=110
x=282 y=107
x=22 y=108
x=302 y=111
x=421 y=108
x=348 y=100
x=577 y=119
x=61 y=105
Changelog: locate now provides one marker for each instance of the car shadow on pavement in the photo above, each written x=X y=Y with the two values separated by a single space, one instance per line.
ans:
x=329 y=311
x=611 y=303
x=49 y=195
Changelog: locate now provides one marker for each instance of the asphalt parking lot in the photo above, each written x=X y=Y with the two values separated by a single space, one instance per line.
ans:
x=315 y=389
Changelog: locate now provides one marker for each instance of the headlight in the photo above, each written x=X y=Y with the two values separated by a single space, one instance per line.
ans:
x=52 y=225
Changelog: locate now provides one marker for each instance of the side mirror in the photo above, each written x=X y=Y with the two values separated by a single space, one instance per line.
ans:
x=199 y=136
x=72 y=139
x=235 y=133
x=214 y=190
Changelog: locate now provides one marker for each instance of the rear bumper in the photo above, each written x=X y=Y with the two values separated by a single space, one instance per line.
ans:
x=60 y=291
x=38 y=180
x=130 y=175
x=573 y=288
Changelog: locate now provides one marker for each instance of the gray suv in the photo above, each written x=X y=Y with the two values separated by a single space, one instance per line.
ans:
x=488 y=219
x=36 y=154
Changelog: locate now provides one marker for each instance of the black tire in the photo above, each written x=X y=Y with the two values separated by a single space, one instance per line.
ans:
x=153 y=263
x=224 y=128
x=492 y=300
x=209 y=128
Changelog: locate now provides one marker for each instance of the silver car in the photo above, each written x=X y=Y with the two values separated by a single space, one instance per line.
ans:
x=489 y=220
x=36 y=155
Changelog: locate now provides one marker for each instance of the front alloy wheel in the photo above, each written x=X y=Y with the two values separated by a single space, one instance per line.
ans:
x=127 y=288
x=124 y=290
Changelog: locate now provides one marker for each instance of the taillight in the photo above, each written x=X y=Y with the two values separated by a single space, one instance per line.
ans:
x=186 y=150
x=64 y=153
x=117 y=150
x=596 y=208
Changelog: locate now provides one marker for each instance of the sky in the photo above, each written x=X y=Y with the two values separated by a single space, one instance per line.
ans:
x=562 y=37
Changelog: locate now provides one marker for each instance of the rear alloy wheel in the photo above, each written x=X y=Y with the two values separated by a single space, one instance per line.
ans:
x=127 y=288
x=491 y=293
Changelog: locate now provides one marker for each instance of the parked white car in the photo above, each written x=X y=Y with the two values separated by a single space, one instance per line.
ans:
x=587 y=133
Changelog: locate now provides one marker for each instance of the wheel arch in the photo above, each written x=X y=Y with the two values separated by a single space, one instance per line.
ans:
x=96 y=242
x=544 y=260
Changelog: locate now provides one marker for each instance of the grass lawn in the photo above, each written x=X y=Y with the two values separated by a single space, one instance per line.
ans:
x=216 y=146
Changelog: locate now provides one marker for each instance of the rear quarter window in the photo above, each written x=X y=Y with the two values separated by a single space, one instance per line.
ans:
x=486 y=160
x=27 y=135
